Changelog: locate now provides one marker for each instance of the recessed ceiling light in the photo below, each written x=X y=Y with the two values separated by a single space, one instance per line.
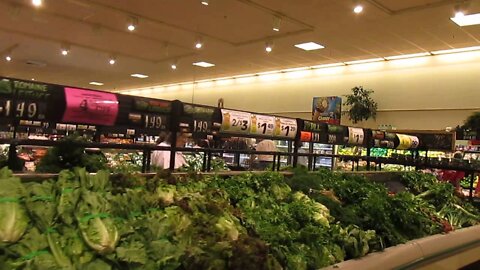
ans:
x=112 y=60
x=132 y=24
x=203 y=64
x=466 y=20
x=205 y=2
x=173 y=66
x=64 y=50
x=138 y=75
x=358 y=9
x=33 y=79
x=37 y=3
x=364 y=61
x=276 y=23
x=8 y=58
x=269 y=46
x=309 y=46
x=405 y=56
x=96 y=83
x=467 y=49
x=199 y=43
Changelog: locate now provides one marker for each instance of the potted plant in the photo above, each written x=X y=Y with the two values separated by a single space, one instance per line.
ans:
x=472 y=124
x=361 y=105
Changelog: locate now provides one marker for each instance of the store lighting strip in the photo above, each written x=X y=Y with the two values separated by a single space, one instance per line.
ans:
x=323 y=66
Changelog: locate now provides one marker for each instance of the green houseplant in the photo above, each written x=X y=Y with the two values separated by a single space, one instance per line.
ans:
x=472 y=124
x=361 y=105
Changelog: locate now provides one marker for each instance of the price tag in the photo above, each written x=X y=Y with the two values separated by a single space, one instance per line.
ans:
x=405 y=141
x=5 y=107
x=356 y=136
x=201 y=126
x=235 y=121
x=311 y=126
x=315 y=137
x=285 y=127
x=152 y=121
x=377 y=134
x=262 y=125
x=30 y=109
x=90 y=107
x=305 y=136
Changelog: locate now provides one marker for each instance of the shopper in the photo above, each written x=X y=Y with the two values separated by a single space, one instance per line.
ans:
x=453 y=176
x=161 y=158
x=264 y=161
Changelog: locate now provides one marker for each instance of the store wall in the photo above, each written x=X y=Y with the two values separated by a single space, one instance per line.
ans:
x=432 y=92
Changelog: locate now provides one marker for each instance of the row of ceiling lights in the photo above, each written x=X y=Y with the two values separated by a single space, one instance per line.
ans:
x=339 y=64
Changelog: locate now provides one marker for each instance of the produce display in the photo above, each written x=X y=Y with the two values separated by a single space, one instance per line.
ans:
x=249 y=221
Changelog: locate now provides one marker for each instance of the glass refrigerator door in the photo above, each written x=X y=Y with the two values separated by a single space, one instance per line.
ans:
x=326 y=162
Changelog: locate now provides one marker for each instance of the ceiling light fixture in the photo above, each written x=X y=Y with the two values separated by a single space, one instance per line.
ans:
x=457 y=50
x=199 y=43
x=138 y=75
x=405 y=56
x=96 y=83
x=277 y=21
x=365 y=61
x=309 y=46
x=269 y=46
x=174 y=65
x=112 y=60
x=357 y=7
x=37 y=3
x=467 y=20
x=65 y=50
x=132 y=24
x=203 y=64
x=205 y=2
x=8 y=58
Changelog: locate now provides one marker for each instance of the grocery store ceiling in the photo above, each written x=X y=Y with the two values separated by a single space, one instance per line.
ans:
x=234 y=33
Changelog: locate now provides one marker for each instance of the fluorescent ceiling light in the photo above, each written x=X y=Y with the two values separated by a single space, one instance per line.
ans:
x=141 y=76
x=467 y=49
x=203 y=64
x=309 y=46
x=329 y=65
x=243 y=76
x=364 y=61
x=405 y=56
x=96 y=83
x=467 y=20
x=358 y=9
x=205 y=2
x=295 y=69
x=37 y=3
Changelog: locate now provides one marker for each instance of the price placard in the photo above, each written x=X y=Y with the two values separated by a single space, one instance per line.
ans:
x=356 y=136
x=311 y=126
x=378 y=134
x=262 y=125
x=285 y=127
x=25 y=109
x=235 y=121
x=153 y=121
x=5 y=107
x=90 y=107
x=202 y=126
x=407 y=142
x=337 y=139
x=316 y=137
x=152 y=105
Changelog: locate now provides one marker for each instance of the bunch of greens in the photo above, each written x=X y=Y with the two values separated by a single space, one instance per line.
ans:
x=69 y=154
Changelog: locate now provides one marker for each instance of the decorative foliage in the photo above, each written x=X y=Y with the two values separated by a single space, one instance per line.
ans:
x=361 y=104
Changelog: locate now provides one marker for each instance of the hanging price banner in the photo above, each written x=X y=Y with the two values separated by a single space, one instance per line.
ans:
x=152 y=121
x=407 y=142
x=235 y=121
x=356 y=136
x=202 y=126
x=285 y=127
x=262 y=125
x=90 y=107
x=314 y=127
